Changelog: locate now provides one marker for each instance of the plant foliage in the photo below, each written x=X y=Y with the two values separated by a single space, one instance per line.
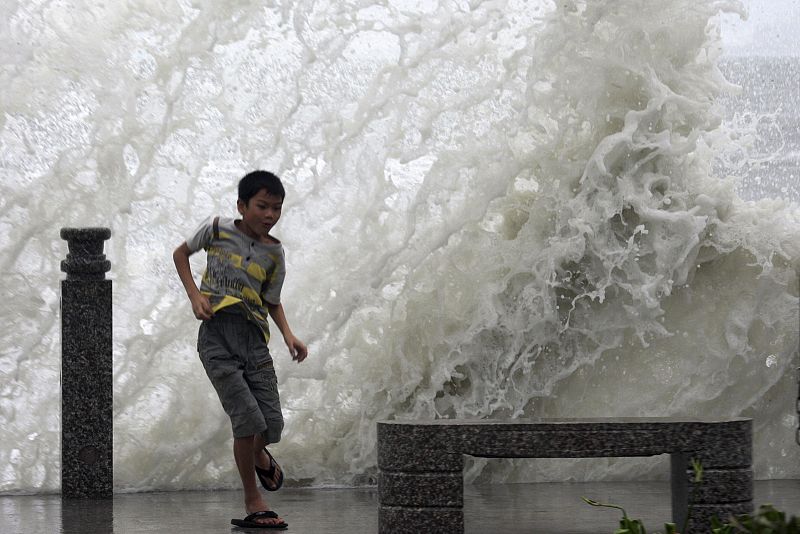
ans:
x=767 y=520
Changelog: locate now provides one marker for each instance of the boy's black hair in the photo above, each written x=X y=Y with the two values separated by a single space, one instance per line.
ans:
x=255 y=181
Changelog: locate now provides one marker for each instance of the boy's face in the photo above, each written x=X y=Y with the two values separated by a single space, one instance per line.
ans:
x=260 y=213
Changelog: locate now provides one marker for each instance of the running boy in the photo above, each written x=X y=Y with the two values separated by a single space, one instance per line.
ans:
x=241 y=286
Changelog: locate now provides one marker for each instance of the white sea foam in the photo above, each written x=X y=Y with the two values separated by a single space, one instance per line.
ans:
x=501 y=210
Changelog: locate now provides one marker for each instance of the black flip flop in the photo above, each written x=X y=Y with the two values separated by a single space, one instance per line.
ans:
x=266 y=476
x=250 y=521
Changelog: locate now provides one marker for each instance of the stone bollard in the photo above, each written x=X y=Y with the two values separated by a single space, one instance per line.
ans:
x=86 y=367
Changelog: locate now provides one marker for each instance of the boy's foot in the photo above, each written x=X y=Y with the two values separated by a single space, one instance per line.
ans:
x=260 y=515
x=268 y=471
x=261 y=519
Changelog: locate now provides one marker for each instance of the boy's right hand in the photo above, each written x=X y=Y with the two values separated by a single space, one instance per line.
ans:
x=201 y=307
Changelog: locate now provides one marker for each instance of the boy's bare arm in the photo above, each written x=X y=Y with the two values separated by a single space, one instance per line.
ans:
x=297 y=348
x=200 y=304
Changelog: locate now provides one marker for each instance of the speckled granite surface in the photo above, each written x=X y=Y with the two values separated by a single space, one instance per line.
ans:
x=86 y=367
x=420 y=462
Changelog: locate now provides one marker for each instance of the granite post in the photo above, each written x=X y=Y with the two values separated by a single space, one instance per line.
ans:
x=86 y=367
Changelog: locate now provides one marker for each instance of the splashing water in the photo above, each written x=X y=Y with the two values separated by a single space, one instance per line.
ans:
x=504 y=209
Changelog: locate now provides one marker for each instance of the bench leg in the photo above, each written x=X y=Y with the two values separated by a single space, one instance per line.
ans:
x=722 y=492
x=420 y=502
x=408 y=520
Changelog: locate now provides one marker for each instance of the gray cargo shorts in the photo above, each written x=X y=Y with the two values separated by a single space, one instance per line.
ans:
x=237 y=361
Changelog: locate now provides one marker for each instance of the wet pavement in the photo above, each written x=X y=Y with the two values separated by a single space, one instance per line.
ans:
x=503 y=508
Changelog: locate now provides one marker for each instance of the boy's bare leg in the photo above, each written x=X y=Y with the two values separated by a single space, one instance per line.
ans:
x=243 y=452
x=258 y=451
x=259 y=455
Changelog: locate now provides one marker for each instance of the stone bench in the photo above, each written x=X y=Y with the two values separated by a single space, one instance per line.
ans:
x=420 y=463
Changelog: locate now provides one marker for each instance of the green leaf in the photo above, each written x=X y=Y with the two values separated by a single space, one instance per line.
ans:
x=697 y=467
x=634 y=526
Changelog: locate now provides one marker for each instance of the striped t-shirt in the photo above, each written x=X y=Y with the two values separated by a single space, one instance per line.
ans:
x=240 y=271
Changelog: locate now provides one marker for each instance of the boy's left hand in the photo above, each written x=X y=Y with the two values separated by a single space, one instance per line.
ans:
x=297 y=348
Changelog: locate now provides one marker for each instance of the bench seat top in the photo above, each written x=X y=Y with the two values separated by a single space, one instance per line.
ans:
x=536 y=421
